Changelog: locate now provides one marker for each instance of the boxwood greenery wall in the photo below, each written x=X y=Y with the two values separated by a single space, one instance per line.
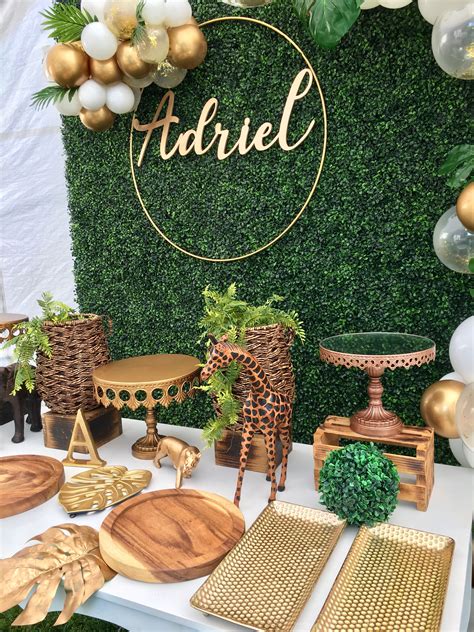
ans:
x=361 y=256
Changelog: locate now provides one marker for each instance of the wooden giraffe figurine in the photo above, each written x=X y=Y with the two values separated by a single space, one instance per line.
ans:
x=264 y=409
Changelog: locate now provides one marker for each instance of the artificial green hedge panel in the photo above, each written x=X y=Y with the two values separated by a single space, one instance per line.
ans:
x=361 y=256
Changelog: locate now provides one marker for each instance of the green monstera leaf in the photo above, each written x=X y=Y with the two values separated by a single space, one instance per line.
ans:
x=328 y=20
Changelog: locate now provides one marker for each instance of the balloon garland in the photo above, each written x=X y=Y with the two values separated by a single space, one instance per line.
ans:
x=108 y=51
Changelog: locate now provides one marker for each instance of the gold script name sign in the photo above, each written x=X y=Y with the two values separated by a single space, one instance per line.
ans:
x=204 y=138
x=193 y=139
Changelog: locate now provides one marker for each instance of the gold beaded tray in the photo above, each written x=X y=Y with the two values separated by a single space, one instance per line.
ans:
x=266 y=579
x=393 y=578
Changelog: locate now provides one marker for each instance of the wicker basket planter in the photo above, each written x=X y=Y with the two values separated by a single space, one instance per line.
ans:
x=271 y=345
x=78 y=346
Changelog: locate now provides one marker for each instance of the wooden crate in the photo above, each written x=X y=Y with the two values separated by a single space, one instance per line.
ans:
x=328 y=436
x=105 y=424
x=227 y=451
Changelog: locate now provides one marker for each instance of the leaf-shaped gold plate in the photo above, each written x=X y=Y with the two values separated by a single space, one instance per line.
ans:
x=66 y=552
x=102 y=487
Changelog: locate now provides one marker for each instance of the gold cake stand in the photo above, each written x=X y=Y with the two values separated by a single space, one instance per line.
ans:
x=146 y=381
x=375 y=352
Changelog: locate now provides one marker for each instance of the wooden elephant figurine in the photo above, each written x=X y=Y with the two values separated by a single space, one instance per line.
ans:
x=183 y=456
x=16 y=406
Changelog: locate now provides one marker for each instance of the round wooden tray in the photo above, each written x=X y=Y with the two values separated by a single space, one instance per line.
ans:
x=171 y=535
x=27 y=481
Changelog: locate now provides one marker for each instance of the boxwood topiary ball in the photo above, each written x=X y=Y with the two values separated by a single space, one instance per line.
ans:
x=359 y=484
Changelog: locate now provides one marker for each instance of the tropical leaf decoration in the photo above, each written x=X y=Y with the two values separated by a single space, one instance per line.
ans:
x=140 y=29
x=328 y=20
x=102 y=487
x=51 y=94
x=459 y=166
x=65 y=552
x=65 y=22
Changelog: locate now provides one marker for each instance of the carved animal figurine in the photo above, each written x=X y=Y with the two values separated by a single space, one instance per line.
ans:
x=264 y=409
x=184 y=457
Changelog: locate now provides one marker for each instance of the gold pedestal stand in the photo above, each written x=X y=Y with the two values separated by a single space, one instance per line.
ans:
x=146 y=381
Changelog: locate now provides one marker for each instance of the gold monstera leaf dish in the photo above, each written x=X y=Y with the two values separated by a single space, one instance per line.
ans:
x=102 y=487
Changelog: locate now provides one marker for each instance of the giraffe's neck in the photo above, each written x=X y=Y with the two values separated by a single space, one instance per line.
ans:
x=252 y=368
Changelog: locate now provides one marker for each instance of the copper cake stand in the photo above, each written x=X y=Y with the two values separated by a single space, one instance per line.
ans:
x=374 y=352
x=146 y=381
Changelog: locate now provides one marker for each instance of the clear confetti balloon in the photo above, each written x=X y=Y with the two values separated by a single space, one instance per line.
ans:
x=121 y=17
x=453 y=243
x=167 y=76
x=465 y=416
x=452 y=41
x=154 y=46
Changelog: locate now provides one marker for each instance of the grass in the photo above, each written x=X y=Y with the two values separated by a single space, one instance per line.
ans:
x=78 y=623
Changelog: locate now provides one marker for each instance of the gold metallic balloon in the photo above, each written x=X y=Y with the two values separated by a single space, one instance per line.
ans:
x=105 y=71
x=120 y=17
x=465 y=207
x=188 y=46
x=97 y=120
x=130 y=63
x=438 y=407
x=67 y=65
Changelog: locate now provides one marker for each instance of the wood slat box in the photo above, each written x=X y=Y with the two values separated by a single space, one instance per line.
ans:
x=227 y=451
x=105 y=424
x=421 y=466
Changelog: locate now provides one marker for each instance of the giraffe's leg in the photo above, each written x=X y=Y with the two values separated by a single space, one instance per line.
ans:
x=270 y=444
x=247 y=436
x=285 y=442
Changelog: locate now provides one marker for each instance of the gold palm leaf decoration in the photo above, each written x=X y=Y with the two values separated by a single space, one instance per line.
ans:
x=66 y=552
x=102 y=487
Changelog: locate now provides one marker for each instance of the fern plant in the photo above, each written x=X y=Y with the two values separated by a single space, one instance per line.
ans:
x=33 y=339
x=225 y=314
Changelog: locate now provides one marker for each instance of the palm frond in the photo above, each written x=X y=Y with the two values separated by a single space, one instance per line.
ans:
x=139 y=31
x=51 y=94
x=65 y=22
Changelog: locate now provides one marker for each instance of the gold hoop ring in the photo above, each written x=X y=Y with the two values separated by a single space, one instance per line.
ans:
x=318 y=174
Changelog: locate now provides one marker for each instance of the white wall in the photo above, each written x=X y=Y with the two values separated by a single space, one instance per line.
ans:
x=35 y=248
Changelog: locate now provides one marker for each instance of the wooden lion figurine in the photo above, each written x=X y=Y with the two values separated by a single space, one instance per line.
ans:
x=183 y=456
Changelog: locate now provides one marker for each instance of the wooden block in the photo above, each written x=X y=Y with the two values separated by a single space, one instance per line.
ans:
x=227 y=451
x=421 y=466
x=105 y=424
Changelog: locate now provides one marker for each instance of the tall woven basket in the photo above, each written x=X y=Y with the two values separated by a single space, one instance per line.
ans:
x=64 y=381
x=271 y=346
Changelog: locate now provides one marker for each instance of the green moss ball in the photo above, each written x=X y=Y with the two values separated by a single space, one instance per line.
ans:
x=359 y=484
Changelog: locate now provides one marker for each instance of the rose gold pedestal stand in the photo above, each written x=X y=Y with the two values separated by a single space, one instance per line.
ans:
x=375 y=421
x=146 y=381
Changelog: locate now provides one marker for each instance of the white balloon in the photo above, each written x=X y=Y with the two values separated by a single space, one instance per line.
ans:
x=452 y=376
x=370 y=4
x=432 y=9
x=461 y=350
x=154 y=12
x=94 y=7
x=98 y=41
x=120 y=98
x=69 y=108
x=178 y=12
x=468 y=454
x=139 y=83
x=92 y=95
x=171 y=79
x=394 y=4
x=456 y=446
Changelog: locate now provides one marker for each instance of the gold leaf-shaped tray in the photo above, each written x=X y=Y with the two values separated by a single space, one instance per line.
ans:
x=102 y=487
x=393 y=578
x=265 y=581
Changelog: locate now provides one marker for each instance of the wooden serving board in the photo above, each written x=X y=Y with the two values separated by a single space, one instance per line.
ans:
x=27 y=481
x=170 y=535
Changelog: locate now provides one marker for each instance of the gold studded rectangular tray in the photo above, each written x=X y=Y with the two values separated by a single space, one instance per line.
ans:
x=393 y=578
x=266 y=579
